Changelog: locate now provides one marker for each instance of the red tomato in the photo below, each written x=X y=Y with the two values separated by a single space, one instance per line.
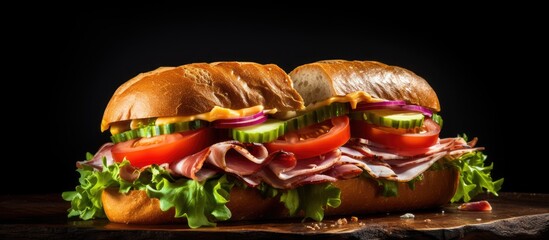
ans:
x=163 y=148
x=394 y=138
x=314 y=140
x=476 y=206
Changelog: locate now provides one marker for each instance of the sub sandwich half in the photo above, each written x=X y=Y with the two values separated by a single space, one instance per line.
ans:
x=209 y=142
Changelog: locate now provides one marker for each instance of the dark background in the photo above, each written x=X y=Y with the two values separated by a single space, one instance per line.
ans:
x=68 y=64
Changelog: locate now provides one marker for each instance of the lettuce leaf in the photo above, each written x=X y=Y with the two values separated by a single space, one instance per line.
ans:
x=197 y=201
x=311 y=199
x=474 y=177
x=388 y=188
x=86 y=199
x=202 y=203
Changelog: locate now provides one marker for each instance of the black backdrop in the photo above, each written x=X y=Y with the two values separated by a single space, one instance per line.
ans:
x=73 y=62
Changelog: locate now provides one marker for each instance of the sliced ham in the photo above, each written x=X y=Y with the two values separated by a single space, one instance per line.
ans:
x=97 y=160
x=315 y=179
x=253 y=164
x=369 y=148
x=401 y=165
x=230 y=156
x=272 y=180
x=304 y=173
x=344 y=171
x=308 y=166
x=190 y=165
x=129 y=173
x=410 y=171
x=376 y=171
x=413 y=161
x=362 y=148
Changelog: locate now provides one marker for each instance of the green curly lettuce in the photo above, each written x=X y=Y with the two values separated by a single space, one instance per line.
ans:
x=311 y=199
x=197 y=201
x=474 y=177
x=86 y=199
x=202 y=203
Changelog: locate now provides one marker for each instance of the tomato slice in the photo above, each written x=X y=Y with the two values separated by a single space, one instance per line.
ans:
x=476 y=206
x=314 y=140
x=163 y=148
x=394 y=139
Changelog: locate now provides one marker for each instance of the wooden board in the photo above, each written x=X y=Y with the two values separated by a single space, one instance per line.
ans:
x=514 y=216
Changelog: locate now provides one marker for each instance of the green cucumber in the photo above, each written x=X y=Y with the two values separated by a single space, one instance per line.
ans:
x=331 y=111
x=260 y=133
x=391 y=118
x=268 y=131
x=155 y=130
x=124 y=136
x=318 y=115
x=437 y=119
x=273 y=129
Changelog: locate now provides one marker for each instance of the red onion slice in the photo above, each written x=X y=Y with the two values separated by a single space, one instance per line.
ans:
x=427 y=112
x=377 y=105
x=240 y=119
x=396 y=104
x=241 y=122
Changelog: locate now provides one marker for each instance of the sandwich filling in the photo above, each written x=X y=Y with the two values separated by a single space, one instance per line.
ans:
x=297 y=166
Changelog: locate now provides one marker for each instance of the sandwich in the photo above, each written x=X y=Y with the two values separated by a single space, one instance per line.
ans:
x=204 y=143
x=395 y=138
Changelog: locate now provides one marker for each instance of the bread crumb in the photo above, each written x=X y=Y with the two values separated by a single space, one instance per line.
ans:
x=354 y=219
x=427 y=220
x=408 y=216
x=479 y=219
x=316 y=226
x=342 y=221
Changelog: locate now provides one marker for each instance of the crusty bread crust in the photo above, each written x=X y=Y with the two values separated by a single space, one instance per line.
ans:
x=358 y=196
x=196 y=88
x=134 y=208
x=324 y=79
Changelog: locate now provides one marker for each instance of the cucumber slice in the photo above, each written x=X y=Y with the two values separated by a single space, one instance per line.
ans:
x=151 y=131
x=124 y=136
x=301 y=121
x=358 y=116
x=394 y=118
x=318 y=115
x=437 y=118
x=331 y=111
x=273 y=129
x=260 y=133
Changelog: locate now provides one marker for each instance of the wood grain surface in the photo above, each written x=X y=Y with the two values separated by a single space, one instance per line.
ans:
x=514 y=216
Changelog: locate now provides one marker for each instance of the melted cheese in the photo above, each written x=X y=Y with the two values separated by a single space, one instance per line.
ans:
x=215 y=114
x=352 y=98
x=226 y=113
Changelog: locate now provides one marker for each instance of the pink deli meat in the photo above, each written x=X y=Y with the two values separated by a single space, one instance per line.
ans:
x=253 y=164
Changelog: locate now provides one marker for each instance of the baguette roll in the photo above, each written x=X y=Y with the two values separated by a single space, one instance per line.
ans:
x=324 y=79
x=358 y=196
x=199 y=87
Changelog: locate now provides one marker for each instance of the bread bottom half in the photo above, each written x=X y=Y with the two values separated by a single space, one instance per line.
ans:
x=359 y=196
